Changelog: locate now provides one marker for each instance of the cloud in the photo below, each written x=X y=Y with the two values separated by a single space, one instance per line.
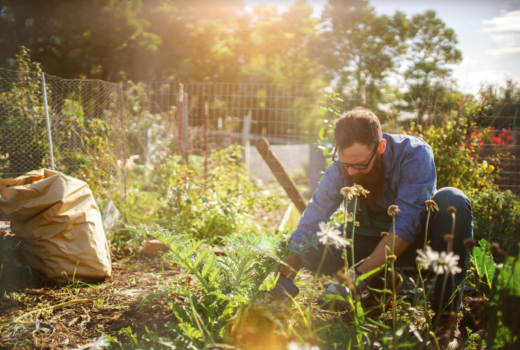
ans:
x=509 y=25
x=508 y=22
x=507 y=43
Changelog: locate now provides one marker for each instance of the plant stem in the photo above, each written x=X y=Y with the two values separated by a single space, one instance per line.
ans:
x=353 y=230
x=394 y=308
x=345 y=215
x=442 y=294
x=322 y=259
x=426 y=229
x=352 y=242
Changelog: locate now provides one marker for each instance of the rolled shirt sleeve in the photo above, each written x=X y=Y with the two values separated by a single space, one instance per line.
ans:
x=417 y=185
x=324 y=202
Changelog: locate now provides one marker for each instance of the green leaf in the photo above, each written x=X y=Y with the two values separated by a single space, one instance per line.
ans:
x=368 y=274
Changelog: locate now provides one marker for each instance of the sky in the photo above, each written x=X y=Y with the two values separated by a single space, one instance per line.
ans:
x=488 y=32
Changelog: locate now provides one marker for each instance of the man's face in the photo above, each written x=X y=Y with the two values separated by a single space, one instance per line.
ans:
x=359 y=155
x=370 y=178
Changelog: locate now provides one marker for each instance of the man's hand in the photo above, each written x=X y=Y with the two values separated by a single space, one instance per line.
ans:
x=377 y=258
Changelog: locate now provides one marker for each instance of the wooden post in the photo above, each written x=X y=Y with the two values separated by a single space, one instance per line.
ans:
x=245 y=137
x=363 y=96
x=281 y=175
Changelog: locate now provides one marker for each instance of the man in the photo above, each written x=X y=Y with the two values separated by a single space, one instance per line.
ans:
x=397 y=170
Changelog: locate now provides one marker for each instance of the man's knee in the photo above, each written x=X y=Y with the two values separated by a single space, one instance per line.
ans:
x=451 y=197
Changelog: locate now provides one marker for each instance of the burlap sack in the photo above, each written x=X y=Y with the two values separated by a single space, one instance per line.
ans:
x=59 y=223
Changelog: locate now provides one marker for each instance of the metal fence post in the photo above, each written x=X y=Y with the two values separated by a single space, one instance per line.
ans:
x=206 y=134
x=245 y=137
x=47 y=122
x=180 y=120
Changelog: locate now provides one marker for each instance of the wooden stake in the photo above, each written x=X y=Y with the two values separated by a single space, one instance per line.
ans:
x=279 y=172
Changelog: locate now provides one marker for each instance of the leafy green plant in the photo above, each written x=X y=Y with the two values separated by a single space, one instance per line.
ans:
x=178 y=197
x=504 y=306
x=496 y=216
x=483 y=267
x=225 y=286
x=454 y=157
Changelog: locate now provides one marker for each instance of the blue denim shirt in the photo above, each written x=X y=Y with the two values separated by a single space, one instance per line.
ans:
x=410 y=169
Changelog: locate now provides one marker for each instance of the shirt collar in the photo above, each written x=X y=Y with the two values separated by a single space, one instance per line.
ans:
x=388 y=156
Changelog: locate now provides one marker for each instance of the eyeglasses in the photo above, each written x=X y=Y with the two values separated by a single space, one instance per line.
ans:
x=336 y=159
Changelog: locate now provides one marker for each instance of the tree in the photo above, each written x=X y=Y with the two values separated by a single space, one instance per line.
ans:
x=357 y=45
x=431 y=47
x=276 y=47
x=76 y=38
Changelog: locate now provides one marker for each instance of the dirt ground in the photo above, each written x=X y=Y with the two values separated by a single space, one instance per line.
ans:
x=104 y=308
x=117 y=303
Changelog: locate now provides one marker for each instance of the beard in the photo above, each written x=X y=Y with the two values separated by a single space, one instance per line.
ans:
x=371 y=181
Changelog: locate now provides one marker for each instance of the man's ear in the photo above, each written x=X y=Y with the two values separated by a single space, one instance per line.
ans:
x=382 y=146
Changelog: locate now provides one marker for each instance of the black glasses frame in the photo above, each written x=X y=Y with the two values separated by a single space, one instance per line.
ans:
x=355 y=166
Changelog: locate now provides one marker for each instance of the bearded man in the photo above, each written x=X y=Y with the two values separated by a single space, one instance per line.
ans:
x=397 y=170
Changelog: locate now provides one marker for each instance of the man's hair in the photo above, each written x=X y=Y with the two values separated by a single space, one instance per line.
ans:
x=359 y=125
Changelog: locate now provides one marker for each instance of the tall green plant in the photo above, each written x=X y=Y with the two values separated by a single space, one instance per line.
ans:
x=23 y=136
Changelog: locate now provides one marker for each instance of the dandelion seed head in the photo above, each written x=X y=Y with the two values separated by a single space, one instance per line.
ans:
x=391 y=258
x=384 y=234
x=349 y=192
x=393 y=210
x=495 y=248
x=430 y=204
x=448 y=237
x=452 y=210
x=469 y=243
x=360 y=190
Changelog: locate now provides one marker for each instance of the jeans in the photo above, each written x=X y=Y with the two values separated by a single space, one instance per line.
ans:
x=440 y=224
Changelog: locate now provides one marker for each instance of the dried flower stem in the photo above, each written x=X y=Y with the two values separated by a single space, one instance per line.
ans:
x=453 y=212
x=430 y=207
x=394 y=308
x=353 y=230
x=345 y=215
x=426 y=228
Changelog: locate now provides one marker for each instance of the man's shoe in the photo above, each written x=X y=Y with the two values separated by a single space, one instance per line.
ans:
x=284 y=290
x=371 y=301
x=374 y=302
x=446 y=329
x=335 y=288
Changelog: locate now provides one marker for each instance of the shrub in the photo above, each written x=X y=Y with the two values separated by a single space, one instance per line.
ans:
x=179 y=198
x=455 y=157
x=496 y=216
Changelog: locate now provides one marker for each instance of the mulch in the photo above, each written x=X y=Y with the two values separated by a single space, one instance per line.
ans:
x=109 y=307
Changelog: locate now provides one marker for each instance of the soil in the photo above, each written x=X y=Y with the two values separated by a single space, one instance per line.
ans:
x=107 y=308
x=118 y=303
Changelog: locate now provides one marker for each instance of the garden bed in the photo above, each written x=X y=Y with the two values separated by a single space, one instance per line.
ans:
x=134 y=304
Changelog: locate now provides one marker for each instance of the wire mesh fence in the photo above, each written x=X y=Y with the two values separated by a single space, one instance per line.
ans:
x=23 y=133
x=148 y=122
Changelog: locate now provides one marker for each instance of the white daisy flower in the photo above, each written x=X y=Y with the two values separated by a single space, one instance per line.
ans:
x=441 y=263
x=447 y=262
x=427 y=258
x=331 y=236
